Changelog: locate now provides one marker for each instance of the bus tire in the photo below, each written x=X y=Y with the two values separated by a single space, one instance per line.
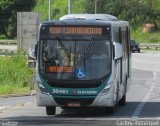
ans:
x=122 y=102
x=50 y=110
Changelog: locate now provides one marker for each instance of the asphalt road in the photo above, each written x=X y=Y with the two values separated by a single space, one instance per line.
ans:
x=142 y=108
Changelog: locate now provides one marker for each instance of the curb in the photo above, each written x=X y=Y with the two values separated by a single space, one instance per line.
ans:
x=33 y=92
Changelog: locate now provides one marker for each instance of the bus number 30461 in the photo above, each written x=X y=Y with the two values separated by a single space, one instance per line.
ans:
x=59 y=91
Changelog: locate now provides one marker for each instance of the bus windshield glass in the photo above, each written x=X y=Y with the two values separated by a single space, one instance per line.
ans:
x=75 y=59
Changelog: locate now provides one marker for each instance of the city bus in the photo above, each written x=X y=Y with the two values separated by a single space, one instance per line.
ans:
x=83 y=60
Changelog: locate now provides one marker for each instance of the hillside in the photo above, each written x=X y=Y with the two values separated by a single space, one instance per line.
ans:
x=60 y=8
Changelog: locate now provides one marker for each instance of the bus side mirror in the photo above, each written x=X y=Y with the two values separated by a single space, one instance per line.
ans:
x=32 y=54
x=117 y=50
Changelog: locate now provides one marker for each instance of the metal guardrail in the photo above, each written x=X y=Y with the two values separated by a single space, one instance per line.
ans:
x=155 y=46
x=8 y=42
x=8 y=47
x=7 y=52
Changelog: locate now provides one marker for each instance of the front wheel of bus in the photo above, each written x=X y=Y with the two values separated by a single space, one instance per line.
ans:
x=50 y=110
x=122 y=102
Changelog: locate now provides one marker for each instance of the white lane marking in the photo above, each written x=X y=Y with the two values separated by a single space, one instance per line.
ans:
x=4 y=107
x=27 y=103
x=146 y=98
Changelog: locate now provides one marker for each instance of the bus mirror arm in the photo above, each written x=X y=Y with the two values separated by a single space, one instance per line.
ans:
x=117 y=51
x=35 y=50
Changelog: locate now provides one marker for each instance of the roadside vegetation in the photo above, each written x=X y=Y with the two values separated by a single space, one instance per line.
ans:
x=14 y=74
x=141 y=37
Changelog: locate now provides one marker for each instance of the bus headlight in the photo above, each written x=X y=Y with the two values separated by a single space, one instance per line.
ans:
x=106 y=89
x=42 y=88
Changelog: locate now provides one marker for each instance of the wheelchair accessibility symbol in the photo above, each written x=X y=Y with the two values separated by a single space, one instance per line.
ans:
x=80 y=73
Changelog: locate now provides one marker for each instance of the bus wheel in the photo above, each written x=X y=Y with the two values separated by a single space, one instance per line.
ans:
x=122 y=102
x=50 y=110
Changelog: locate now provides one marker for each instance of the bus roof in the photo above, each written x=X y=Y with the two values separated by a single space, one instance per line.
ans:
x=87 y=19
x=104 y=17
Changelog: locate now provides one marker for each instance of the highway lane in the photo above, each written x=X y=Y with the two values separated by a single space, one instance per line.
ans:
x=146 y=61
x=143 y=101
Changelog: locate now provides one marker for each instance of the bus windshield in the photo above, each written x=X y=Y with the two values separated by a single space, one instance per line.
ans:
x=75 y=59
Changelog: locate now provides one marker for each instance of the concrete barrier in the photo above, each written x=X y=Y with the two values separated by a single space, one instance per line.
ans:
x=154 y=46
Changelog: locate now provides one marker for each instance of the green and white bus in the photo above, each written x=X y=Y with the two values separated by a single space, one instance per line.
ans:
x=83 y=60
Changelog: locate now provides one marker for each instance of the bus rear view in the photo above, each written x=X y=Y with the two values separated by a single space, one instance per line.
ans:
x=75 y=65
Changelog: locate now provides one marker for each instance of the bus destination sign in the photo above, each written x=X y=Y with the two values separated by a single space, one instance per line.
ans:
x=76 y=30
x=60 y=69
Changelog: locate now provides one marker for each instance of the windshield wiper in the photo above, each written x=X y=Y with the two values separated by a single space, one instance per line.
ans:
x=64 y=48
x=89 y=47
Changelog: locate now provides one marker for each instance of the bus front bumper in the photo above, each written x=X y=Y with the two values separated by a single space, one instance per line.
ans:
x=45 y=99
x=99 y=101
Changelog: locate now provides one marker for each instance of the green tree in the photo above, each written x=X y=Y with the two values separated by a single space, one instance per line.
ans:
x=5 y=7
x=8 y=14
x=138 y=12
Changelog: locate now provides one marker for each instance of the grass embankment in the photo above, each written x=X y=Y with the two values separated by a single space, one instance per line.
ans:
x=14 y=74
x=141 y=37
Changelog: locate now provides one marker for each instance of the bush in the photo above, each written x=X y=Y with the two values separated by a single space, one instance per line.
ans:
x=14 y=72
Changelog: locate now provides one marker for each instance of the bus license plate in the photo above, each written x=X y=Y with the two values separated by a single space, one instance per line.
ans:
x=73 y=105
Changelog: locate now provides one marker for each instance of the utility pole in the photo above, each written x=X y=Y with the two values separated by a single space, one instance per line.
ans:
x=95 y=4
x=49 y=9
x=69 y=6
